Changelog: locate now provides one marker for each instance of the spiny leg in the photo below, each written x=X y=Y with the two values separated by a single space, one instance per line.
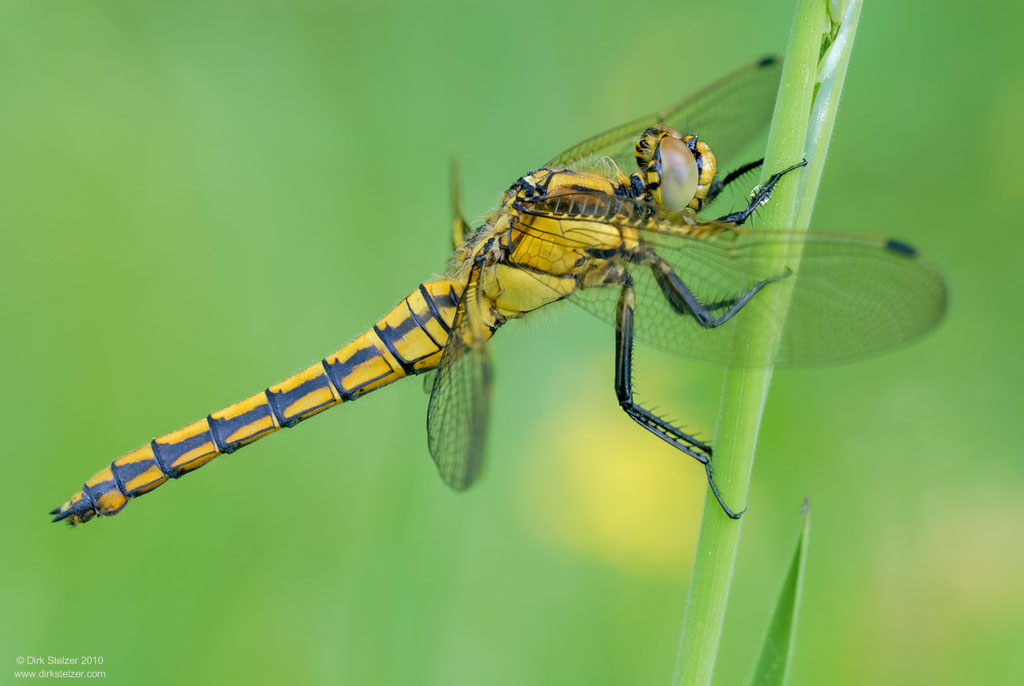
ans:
x=664 y=430
x=685 y=302
x=763 y=194
x=717 y=186
x=460 y=228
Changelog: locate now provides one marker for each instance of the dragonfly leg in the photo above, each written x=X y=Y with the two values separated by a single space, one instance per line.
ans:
x=761 y=196
x=460 y=228
x=717 y=186
x=658 y=426
x=685 y=302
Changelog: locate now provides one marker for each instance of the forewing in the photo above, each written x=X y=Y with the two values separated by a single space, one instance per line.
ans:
x=729 y=115
x=852 y=296
x=460 y=399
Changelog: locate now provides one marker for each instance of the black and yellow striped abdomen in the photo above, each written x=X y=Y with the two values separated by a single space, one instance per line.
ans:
x=408 y=340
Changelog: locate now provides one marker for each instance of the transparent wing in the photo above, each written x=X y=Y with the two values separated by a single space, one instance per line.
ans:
x=460 y=398
x=852 y=296
x=729 y=115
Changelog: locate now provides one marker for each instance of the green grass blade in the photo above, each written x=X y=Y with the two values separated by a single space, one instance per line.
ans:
x=777 y=650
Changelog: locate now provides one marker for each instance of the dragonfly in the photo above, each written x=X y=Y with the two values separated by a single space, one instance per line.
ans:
x=614 y=224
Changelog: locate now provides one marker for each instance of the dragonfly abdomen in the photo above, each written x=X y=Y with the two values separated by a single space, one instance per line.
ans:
x=407 y=340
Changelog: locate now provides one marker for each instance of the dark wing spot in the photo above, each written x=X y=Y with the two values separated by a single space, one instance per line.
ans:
x=900 y=247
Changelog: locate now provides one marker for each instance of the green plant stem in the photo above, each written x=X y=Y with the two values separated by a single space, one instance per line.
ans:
x=744 y=390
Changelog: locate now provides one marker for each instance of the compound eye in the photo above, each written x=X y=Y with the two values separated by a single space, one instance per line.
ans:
x=679 y=174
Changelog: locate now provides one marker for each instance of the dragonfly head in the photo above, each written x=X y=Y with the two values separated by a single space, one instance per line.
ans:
x=675 y=171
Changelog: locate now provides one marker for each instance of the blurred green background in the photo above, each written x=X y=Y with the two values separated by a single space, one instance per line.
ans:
x=199 y=199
